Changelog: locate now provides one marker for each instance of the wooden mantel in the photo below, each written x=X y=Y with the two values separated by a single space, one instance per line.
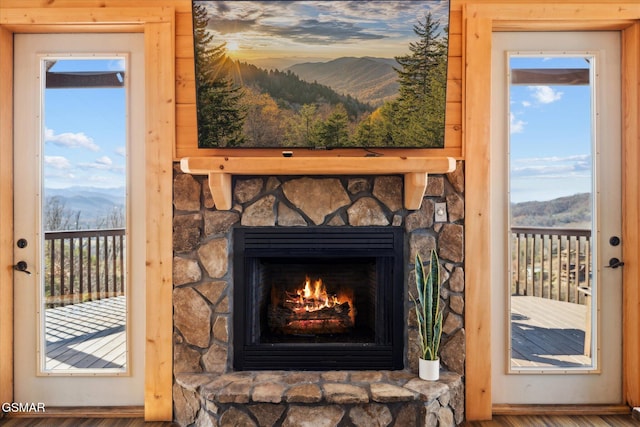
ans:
x=221 y=169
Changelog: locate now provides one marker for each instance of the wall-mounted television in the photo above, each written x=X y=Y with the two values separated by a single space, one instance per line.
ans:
x=321 y=74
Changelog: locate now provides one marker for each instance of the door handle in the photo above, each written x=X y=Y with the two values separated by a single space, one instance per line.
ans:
x=21 y=266
x=615 y=263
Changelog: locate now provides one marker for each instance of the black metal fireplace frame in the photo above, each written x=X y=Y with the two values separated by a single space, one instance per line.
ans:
x=384 y=244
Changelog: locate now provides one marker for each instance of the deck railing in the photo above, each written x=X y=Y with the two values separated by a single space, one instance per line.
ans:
x=83 y=265
x=553 y=263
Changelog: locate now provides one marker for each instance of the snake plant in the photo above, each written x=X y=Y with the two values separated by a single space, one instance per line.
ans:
x=427 y=306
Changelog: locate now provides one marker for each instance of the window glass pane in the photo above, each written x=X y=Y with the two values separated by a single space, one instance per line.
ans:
x=84 y=214
x=551 y=211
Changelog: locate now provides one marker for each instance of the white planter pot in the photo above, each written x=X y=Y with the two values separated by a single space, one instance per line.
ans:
x=429 y=369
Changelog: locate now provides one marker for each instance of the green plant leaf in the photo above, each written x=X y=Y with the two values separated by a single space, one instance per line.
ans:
x=419 y=269
x=428 y=312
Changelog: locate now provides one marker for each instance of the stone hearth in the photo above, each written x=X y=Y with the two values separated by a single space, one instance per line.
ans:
x=322 y=399
x=203 y=279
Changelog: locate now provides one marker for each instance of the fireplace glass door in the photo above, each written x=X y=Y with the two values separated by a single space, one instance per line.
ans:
x=318 y=299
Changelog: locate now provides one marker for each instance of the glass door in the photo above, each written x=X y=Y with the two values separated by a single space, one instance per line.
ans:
x=79 y=284
x=556 y=215
x=83 y=218
x=552 y=150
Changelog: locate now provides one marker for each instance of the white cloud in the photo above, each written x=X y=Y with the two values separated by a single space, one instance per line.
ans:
x=552 y=167
x=103 y=163
x=526 y=104
x=546 y=178
x=575 y=157
x=57 y=162
x=516 y=126
x=545 y=94
x=104 y=160
x=70 y=140
x=121 y=151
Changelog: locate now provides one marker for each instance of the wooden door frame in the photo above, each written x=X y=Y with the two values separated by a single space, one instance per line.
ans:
x=157 y=24
x=479 y=21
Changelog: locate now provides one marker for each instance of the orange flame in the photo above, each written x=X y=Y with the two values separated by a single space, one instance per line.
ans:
x=315 y=310
x=313 y=296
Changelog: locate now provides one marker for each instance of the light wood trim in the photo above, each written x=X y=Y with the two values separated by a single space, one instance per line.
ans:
x=631 y=214
x=504 y=409
x=559 y=15
x=415 y=185
x=158 y=26
x=220 y=169
x=602 y=25
x=178 y=5
x=107 y=412
x=221 y=192
x=184 y=27
x=305 y=152
x=314 y=166
x=477 y=219
x=160 y=125
x=479 y=21
x=94 y=17
x=6 y=216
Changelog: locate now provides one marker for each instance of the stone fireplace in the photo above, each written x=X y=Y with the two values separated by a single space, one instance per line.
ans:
x=213 y=386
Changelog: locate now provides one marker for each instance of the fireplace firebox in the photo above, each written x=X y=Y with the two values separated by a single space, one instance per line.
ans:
x=316 y=298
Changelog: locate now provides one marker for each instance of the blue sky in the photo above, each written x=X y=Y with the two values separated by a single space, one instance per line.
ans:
x=85 y=131
x=550 y=135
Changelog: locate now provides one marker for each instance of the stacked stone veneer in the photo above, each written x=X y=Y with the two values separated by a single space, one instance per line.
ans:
x=203 y=288
x=318 y=399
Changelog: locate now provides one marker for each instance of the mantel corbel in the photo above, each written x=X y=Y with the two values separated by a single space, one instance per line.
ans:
x=221 y=169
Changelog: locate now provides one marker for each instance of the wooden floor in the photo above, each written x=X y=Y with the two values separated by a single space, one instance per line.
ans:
x=498 y=421
x=81 y=422
x=556 y=421
x=547 y=333
x=89 y=335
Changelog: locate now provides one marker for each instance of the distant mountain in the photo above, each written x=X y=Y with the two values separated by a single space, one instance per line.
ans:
x=282 y=63
x=290 y=91
x=371 y=80
x=94 y=204
x=567 y=212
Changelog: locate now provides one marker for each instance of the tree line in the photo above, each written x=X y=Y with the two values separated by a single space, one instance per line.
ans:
x=58 y=217
x=277 y=109
x=569 y=211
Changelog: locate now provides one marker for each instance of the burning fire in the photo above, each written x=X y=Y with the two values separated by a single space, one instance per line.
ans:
x=311 y=309
x=312 y=297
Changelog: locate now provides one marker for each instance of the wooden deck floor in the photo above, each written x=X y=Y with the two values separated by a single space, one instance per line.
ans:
x=547 y=333
x=90 y=335
x=556 y=421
